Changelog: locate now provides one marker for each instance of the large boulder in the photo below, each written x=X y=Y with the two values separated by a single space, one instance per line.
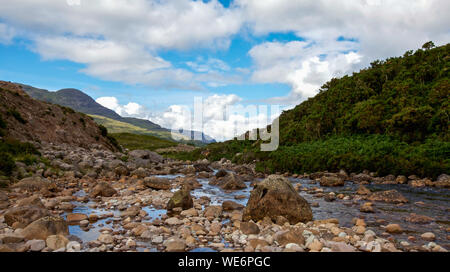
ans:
x=276 y=196
x=103 y=189
x=23 y=215
x=157 y=183
x=181 y=199
x=232 y=182
x=391 y=196
x=202 y=167
x=443 y=181
x=46 y=226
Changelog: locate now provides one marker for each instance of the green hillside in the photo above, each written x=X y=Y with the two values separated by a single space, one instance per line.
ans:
x=135 y=141
x=391 y=118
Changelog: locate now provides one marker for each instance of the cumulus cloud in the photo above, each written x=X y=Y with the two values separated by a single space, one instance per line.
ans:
x=131 y=109
x=6 y=34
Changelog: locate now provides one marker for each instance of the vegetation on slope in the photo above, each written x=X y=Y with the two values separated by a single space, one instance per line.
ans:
x=391 y=118
x=135 y=141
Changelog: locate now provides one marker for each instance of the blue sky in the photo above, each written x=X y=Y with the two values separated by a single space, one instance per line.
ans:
x=149 y=59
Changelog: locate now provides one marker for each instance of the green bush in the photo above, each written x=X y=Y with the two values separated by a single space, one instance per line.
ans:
x=7 y=164
x=17 y=116
x=103 y=130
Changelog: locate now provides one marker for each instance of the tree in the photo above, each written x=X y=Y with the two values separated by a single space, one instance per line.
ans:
x=428 y=45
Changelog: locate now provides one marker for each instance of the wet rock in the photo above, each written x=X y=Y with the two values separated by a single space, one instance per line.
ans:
x=275 y=196
x=419 y=219
x=24 y=215
x=46 y=226
x=249 y=228
x=229 y=205
x=75 y=217
x=221 y=173
x=428 y=236
x=367 y=208
x=157 y=183
x=131 y=211
x=232 y=182
x=391 y=196
x=362 y=190
x=55 y=242
x=394 y=228
x=175 y=245
x=103 y=189
x=331 y=181
x=181 y=199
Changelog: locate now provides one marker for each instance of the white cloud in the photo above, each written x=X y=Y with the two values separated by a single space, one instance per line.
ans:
x=6 y=34
x=131 y=109
x=304 y=66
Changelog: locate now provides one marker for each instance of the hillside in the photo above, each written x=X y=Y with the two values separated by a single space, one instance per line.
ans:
x=81 y=102
x=391 y=118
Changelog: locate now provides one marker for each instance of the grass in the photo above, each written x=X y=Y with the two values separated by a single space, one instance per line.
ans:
x=12 y=151
x=117 y=127
x=136 y=141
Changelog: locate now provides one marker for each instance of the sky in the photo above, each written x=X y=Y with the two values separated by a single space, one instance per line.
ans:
x=150 y=59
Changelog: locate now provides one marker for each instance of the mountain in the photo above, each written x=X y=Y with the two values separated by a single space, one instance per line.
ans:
x=26 y=119
x=82 y=102
x=390 y=118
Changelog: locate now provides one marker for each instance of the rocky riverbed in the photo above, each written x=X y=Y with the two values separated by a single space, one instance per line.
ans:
x=96 y=200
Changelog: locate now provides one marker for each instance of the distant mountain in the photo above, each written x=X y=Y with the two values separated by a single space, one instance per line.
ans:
x=82 y=102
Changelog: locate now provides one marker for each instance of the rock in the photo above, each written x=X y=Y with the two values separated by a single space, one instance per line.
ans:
x=401 y=180
x=249 y=228
x=273 y=197
x=391 y=196
x=146 y=155
x=105 y=238
x=212 y=212
x=417 y=183
x=429 y=236
x=289 y=236
x=73 y=246
x=11 y=238
x=157 y=183
x=131 y=211
x=181 y=199
x=33 y=184
x=55 y=242
x=229 y=205
x=362 y=190
x=31 y=201
x=24 y=215
x=103 y=189
x=221 y=173
x=367 y=207
x=202 y=167
x=175 y=245
x=173 y=221
x=232 y=182
x=46 y=226
x=394 y=228
x=315 y=245
x=257 y=243
x=35 y=245
x=76 y=217
x=340 y=247
x=443 y=181
x=331 y=181
x=419 y=219
x=362 y=178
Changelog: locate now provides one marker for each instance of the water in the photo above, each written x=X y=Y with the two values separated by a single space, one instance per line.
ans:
x=436 y=205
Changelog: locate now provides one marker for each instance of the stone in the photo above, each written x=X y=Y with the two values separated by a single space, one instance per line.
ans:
x=232 y=182
x=289 y=236
x=419 y=219
x=146 y=155
x=24 y=215
x=73 y=246
x=175 y=245
x=173 y=221
x=367 y=208
x=131 y=211
x=181 y=199
x=46 y=226
x=103 y=189
x=331 y=181
x=276 y=196
x=428 y=236
x=157 y=183
x=229 y=205
x=315 y=245
x=105 y=238
x=35 y=245
x=55 y=242
x=362 y=190
x=11 y=238
x=221 y=173
x=249 y=228
x=76 y=217
x=394 y=228
x=212 y=212
x=340 y=247
x=33 y=184
x=391 y=196
x=443 y=181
